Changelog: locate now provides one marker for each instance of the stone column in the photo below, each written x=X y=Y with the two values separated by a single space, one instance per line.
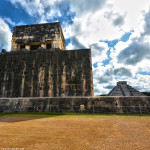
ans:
x=22 y=85
x=14 y=44
x=27 y=47
x=43 y=45
x=12 y=84
x=41 y=76
x=50 y=83
x=63 y=85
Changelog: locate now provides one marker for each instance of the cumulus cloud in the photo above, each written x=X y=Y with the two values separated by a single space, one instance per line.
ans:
x=99 y=50
x=76 y=43
x=40 y=9
x=139 y=47
x=9 y=21
x=80 y=7
x=116 y=18
x=5 y=35
x=141 y=82
x=147 y=24
x=134 y=53
x=132 y=11
x=122 y=72
x=109 y=87
x=119 y=20
x=103 y=77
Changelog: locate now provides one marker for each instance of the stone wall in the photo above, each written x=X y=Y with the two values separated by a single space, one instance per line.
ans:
x=131 y=105
x=46 y=73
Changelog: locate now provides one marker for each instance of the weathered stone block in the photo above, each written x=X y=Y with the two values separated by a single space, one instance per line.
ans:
x=46 y=73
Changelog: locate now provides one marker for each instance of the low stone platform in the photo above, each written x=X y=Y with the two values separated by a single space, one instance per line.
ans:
x=132 y=105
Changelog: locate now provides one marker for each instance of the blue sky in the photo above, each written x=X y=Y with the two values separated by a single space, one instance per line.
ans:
x=118 y=33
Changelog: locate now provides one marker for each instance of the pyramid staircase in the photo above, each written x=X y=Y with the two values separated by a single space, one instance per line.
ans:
x=123 y=89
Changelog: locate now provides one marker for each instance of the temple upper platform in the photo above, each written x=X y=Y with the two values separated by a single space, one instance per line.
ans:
x=32 y=37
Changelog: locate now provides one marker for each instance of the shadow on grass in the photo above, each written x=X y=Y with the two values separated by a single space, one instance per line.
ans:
x=18 y=117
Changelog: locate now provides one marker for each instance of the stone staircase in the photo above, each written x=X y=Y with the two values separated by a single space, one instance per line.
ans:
x=123 y=89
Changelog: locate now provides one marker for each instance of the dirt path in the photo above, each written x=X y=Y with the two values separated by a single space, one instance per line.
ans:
x=72 y=132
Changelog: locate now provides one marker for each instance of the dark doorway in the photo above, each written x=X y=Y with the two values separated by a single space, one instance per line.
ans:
x=34 y=47
x=49 y=46
x=22 y=46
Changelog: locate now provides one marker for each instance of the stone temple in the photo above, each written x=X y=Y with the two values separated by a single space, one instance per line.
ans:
x=39 y=66
x=123 y=89
x=39 y=75
x=32 y=37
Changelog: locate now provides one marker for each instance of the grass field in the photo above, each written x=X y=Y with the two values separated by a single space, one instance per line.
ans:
x=45 y=131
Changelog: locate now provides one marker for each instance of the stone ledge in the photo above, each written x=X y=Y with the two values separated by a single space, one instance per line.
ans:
x=121 y=105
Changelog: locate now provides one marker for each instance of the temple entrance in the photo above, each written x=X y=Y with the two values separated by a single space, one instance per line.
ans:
x=35 y=47
x=48 y=46
x=22 y=47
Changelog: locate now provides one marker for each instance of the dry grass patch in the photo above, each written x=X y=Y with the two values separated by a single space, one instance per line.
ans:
x=74 y=132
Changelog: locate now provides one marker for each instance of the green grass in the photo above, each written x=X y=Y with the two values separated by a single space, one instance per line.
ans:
x=46 y=113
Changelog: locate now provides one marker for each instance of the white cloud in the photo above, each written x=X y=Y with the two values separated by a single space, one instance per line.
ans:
x=92 y=27
x=5 y=35
x=99 y=50
x=137 y=48
x=132 y=9
x=9 y=21
x=40 y=9
x=80 y=7
x=141 y=82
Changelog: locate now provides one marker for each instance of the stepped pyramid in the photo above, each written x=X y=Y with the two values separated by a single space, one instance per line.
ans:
x=123 y=89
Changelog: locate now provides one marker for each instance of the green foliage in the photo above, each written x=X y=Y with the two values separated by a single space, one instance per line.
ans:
x=146 y=93
x=103 y=95
x=58 y=114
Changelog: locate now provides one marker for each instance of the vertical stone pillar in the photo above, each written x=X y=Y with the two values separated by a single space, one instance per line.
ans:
x=13 y=44
x=4 y=90
x=32 y=86
x=41 y=76
x=63 y=78
x=43 y=45
x=23 y=80
x=22 y=85
x=83 y=84
x=18 y=47
x=27 y=46
x=12 y=84
x=56 y=44
x=50 y=83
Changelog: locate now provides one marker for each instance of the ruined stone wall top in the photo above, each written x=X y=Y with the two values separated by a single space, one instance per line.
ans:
x=40 y=30
x=38 y=34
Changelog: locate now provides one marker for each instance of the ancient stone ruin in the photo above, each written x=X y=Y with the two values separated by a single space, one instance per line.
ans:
x=39 y=66
x=38 y=36
x=123 y=89
x=39 y=75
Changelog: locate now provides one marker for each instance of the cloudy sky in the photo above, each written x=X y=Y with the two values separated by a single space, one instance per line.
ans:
x=117 y=31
